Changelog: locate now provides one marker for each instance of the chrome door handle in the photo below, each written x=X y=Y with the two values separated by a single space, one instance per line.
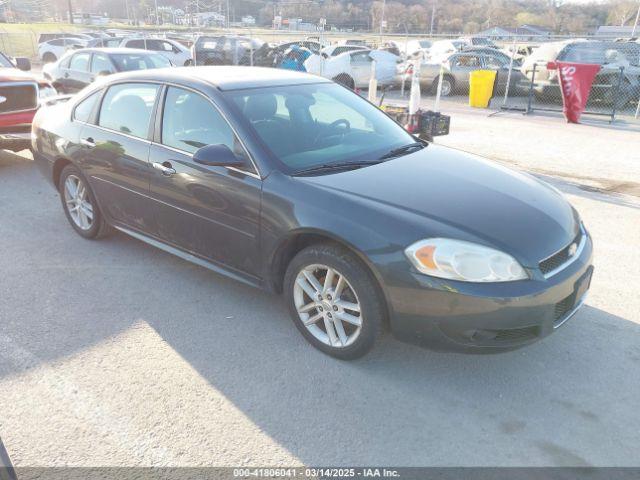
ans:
x=88 y=142
x=165 y=168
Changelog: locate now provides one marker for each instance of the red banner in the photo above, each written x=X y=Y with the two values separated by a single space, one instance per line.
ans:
x=575 y=83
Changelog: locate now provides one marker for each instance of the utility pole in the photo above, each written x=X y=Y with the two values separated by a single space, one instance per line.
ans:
x=70 y=7
x=157 y=19
x=433 y=15
x=384 y=4
x=635 y=24
x=126 y=7
x=228 y=14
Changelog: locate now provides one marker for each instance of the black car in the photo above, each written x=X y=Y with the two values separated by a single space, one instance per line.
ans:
x=294 y=184
x=79 y=68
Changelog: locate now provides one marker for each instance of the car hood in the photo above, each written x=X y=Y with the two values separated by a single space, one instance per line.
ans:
x=491 y=204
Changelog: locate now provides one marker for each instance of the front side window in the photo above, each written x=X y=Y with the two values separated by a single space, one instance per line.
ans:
x=101 y=63
x=127 y=108
x=308 y=125
x=80 y=62
x=191 y=122
x=83 y=110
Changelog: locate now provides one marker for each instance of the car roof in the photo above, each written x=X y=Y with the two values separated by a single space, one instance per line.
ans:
x=117 y=50
x=224 y=77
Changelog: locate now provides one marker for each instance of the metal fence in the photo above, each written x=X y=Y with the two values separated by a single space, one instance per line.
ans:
x=524 y=81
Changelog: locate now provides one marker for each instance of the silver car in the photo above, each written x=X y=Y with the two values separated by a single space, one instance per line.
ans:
x=458 y=67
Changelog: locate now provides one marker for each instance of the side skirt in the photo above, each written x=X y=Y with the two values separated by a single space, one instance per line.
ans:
x=251 y=281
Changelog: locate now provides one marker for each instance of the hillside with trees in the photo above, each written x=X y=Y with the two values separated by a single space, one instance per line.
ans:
x=415 y=16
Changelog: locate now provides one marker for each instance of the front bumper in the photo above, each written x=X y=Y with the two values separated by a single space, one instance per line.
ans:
x=475 y=317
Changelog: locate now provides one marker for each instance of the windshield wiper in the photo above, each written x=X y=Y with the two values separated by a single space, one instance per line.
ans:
x=328 y=167
x=396 y=152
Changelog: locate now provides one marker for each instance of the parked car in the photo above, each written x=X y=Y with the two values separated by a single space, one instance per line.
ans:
x=177 y=53
x=476 y=41
x=357 y=223
x=79 y=68
x=229 y=50
x=335 y=50
x=353 y=69
x=441 y=49
x=45 y=37
x=107 y=42
x=21 y=94
x=415 y=48
x=52 y=50
x=608 y=86
x=458 y=68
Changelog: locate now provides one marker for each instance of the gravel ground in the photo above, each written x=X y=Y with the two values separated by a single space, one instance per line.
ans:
x=115 y=353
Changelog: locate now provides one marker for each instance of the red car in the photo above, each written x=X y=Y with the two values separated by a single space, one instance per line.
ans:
x=21 y=93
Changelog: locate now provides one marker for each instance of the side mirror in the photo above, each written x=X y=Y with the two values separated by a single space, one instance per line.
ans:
x=23 y=63
x=217 y=155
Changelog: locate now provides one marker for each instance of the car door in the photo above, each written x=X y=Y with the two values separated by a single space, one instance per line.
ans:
x=77 y=75
x=165 y=49
x=462 y=65
x=116 y=154
x=210 y=211
x=361 y=68
x=501 y=69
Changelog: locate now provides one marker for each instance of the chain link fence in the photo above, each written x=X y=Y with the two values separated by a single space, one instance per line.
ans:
x=524 y=80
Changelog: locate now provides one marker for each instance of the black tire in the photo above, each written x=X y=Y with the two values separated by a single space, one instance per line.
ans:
x=49 y=57
x=99 y=227
x=345 y=80
x=446 y=79
x=363 y=285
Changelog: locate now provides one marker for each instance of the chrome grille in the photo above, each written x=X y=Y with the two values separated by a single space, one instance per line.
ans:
x=559 y=258
x=16 y=97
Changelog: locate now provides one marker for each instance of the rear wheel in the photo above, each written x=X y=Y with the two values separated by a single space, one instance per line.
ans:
x=334 y=301
x=448 y=84
x=79 y=204
x=345 y=80
x=49 y=57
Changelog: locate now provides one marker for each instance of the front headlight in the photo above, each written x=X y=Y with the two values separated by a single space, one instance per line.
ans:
x=465 y=261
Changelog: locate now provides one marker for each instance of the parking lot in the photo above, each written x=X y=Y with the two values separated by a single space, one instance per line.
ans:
x=114 y=353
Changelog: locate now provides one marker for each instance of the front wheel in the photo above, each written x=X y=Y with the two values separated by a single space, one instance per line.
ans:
x=79 y=204
x=334 y=301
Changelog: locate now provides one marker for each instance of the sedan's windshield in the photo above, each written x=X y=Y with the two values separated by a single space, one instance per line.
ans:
x=126 y=62
x=305 y=126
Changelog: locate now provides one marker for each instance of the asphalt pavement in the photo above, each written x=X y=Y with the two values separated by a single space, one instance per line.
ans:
x=115 y=353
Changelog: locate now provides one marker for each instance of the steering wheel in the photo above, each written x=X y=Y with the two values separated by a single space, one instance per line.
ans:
x=333 y=126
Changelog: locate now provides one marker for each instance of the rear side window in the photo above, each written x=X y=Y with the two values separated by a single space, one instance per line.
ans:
x=83 y=110
x=127 y=108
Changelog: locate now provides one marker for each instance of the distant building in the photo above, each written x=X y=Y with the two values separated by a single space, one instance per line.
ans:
x=524 y=32
x=615 y=31
x=248 y=20
x=209 y=19
x=91 y=18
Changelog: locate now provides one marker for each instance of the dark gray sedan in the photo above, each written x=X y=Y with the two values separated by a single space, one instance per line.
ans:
x=294 y=184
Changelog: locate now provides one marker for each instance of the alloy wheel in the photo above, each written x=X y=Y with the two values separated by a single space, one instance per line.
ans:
x=327 y=305
x=78 y=203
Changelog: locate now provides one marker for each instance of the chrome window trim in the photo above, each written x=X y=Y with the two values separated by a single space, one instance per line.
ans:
x=583 y=242
x=145 y=140
x=25 y=83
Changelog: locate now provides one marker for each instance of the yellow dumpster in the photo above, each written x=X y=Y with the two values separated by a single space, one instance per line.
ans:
x=481 y=87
